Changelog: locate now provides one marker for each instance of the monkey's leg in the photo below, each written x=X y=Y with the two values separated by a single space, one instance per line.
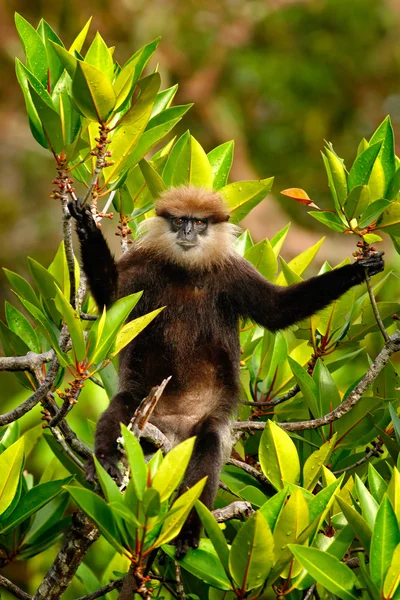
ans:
x=211 y=448
x=108 y=430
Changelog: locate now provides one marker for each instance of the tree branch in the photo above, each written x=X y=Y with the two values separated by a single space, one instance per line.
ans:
x=29 y=362
x=377 y=366
x=80 y=536
x=240 y=508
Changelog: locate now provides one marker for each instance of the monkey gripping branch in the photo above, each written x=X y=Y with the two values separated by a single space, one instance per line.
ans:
x=170 y=306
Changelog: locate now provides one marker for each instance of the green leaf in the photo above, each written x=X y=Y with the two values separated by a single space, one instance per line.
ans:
x=35 y=51
x=252 y=553
x=137 y=465
x=327 y=392
x=262 y=256
x=242 y=196
x=278 y=240
x=392 y=579
x=390 y=219
x=130 y=330
x=215 y=534
x=100 y=513
x=372 y=213
x=131 y=128
x=108 y=486
x=271 y=509
x=173 y=468
x=329 y=219
x=22 y=287
x=179 y=513
x=385 y=134
x=54 y=65
x=385 y=538
x=221 y=159
x=362 y=167
x=153 y=179
x=313 y=465
x=50 y=121
x=394 y=186
x=99 y=56
x=203 y=563
x=92 y=92
x=357 y=523
x=33 y=501
x=21 y=327
x=192 y=166
x=293 y=519
x=377 y=484
x=115 y=317
x=23 y=76
x=338 y=176
x=306 y=384
x=300 y=263
x=80 y=38
x=278 y=456
x=395 y=420
x=163 y=100
x=11 y=462
x=327 y=570
x=369 y=506
x=357 y=202
x=47 y=287
x=68 y=59
x=173 y=158
x=74 y=324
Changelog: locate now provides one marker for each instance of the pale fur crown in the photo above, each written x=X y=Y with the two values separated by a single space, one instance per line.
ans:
x=213 y=248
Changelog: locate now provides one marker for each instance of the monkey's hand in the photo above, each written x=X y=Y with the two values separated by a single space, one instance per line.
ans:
x=110 y=465
x=85 y=223
x=371 y=266
x=189 y=536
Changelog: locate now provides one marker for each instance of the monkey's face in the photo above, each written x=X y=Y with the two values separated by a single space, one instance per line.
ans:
x=189 y=241
x=188 y=231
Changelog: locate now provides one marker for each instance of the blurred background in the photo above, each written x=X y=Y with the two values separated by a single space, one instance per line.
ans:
x=277 y=76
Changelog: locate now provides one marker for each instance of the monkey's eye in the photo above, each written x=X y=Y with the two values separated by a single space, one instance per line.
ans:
x=178 y=221
x=199 y=222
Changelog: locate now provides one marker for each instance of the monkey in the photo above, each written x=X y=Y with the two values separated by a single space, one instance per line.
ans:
x=185 y=260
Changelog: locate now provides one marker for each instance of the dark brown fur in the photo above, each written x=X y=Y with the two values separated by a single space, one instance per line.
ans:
x=195 y=339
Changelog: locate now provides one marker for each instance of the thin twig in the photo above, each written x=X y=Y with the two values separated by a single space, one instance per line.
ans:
x=66 y=448
x=88 y=317
x=373 y=452
x=240 y=508
x=310 y=591
x=377 y=366
x=180 y=590
x=14 y=589
x=249 y=469
x=375 y=309
x=114 y=585
x=146 y=407
x=35 y=398
x=274 y=401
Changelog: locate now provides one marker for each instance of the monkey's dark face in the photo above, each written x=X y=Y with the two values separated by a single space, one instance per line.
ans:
x=188 y=230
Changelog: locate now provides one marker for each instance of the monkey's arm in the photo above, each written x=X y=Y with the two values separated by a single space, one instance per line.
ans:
x=97 y=260
x=275 y=307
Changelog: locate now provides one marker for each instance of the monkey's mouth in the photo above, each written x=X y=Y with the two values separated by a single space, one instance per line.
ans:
x=186 y=245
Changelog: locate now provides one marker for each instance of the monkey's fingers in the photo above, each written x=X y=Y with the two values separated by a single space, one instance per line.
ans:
x=373 y=264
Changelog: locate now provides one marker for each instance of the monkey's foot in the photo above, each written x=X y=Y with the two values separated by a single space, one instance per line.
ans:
x=189 y=537
x=109 y=464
